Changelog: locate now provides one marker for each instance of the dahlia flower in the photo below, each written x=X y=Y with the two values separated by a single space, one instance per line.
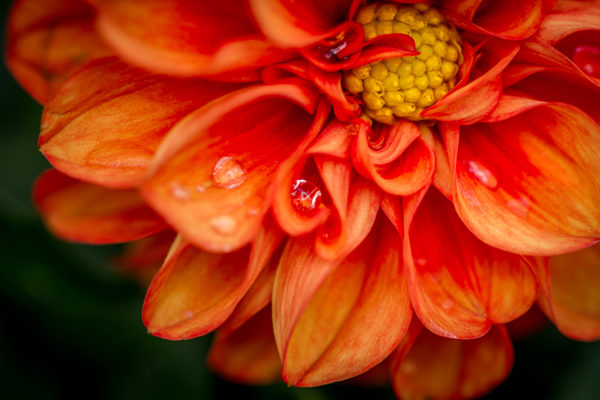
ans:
x=333 y=185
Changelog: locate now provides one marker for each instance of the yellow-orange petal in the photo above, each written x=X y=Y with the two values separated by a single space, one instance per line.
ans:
x=186 y=37
x=195 y=291
x=82 y=212
x=247 y=355
x=529 y=184
x=49 y=39
x=571 y=293
x=335 y=321
x=107 y=120
x=460 y=286
x=439 y=368
x=213 y=175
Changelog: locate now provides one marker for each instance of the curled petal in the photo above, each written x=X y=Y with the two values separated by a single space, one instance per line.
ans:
x=49 y=39
x=107 y=120
x=464 y=286
x=532 y=191
x=247 y=355
x=570 y=295
x=568 y=17
x=186 y=37
x=507 y=19
x=473 y=101
x=195 y=291
x=87 y=213
x=321 y=310
x=298 y=24
x=440 y=368
x=213 y=174
x=395 y=157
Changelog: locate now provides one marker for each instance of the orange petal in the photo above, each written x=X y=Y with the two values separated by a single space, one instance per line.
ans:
x=83 y=212
x=464 y=286
x=508 y=19
x=333 y=322
x=439 y=368
x=213 y=175
x=247 y=355
x=297 y=24
x=532 y=191
x=49 y=39
x=142 y=259
x=470 y=103
x=186 y=37
x=106 y=121
x=395 y=157
x=195 y=291
x=571 y=295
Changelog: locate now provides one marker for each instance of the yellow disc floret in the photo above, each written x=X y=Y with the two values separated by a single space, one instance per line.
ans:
x=402 y=87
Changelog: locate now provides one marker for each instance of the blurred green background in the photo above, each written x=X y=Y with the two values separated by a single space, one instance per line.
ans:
x=70 y=324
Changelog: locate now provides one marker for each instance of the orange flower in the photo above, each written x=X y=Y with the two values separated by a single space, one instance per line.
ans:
x=331 y=168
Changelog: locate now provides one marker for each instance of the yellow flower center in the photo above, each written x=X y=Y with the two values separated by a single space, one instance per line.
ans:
x=402 y=87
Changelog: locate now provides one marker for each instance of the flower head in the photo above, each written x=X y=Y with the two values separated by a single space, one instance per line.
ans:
x=349 y=181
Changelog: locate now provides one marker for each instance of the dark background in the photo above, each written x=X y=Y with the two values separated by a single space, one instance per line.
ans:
x=70 y=323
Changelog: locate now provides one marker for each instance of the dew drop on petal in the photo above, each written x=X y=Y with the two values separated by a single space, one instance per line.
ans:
x=179 y=191
x=253 y=211
x=188 y=314
x=447 y=304
x=224 y=224
x=228 y=173
x=482 y=174
x=519 y=206
x=306 y=197
x=420 y=262
x=587 y=58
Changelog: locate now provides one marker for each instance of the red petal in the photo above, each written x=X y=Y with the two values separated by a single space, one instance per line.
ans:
x=442 y=368
x=333 y=322
x=571 y=295
x=49 y=39
x=186 y=37
x=297 y=24
x=470 y=103
x=213 y=175
x=397 y=158
x=195 y=291
x=532 y=191
x=464 y=286
x=106 y=121
x=83 y=212
x=247 y=355
x=508 y=19
x=568 y=17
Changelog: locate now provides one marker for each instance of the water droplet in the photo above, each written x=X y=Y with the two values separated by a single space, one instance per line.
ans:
x=180 y=192
x=200 y=188
x=224 y=224
x=188 y=314
x=519 y=206
x=587 y=58
x=447 y=304
x=252 y=211
x=306 y=197
x=228 y=173
x=482 y=174
x=420 y=262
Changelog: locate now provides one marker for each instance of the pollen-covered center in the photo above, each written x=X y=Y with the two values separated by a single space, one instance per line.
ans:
x=403 y=87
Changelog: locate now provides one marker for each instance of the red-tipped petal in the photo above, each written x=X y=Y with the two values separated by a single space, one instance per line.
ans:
x=571 y=293
x=395 y=157
x=186 y=37
x=297 y=24
x=49 y=39
x=83 y=212
x=195 y=291
x=472 y=102
x=106 y=122
x=529 y=184
x=247 y=355
x=508 y=19
x=440 y=368
x=213 y=174
x=464 y=286
x=344 y=319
